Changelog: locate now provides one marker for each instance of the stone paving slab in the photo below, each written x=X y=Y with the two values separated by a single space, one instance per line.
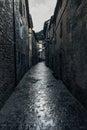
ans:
x=40 y=102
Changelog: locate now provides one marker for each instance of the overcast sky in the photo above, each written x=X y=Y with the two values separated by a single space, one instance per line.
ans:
x=41 y=10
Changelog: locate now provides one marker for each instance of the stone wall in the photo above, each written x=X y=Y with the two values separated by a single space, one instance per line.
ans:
x=7 y=67
x=14 y=46
x=73 y=49
x=70 y=46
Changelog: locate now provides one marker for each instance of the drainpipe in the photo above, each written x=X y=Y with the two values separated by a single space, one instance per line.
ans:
x=14 y=39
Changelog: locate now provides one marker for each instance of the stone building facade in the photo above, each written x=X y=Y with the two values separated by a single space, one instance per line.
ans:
x=41 y=46
x=34 y=48
x=14 y=44
x=22 y=40
x=47 y=37
x=68 y=46
x=33 y=55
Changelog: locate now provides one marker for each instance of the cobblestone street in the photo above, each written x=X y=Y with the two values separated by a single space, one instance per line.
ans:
x=40 y=102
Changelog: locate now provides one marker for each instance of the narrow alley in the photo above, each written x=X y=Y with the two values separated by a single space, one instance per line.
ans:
x=43 y=64
x=40 y=102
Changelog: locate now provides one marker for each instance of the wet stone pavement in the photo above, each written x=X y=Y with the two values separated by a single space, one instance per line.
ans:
x=40 y=102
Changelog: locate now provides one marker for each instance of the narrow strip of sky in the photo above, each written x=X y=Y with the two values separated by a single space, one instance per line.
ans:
x=41 y=10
